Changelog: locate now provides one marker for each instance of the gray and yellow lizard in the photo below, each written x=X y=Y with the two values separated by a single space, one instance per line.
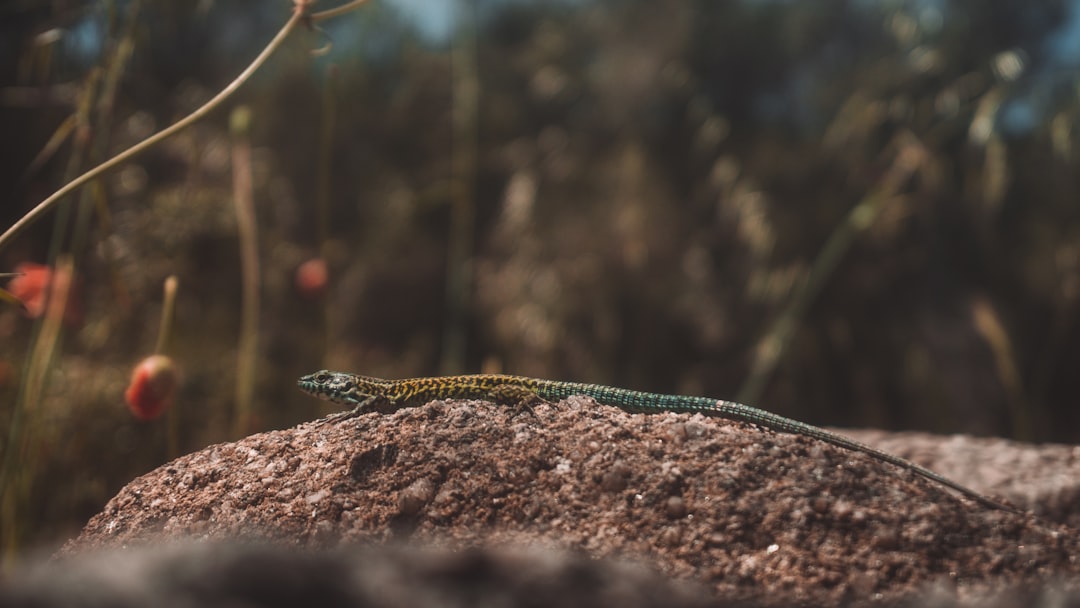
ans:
x=365 y=394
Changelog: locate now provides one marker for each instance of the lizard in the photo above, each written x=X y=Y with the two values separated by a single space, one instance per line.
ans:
x=368 y=394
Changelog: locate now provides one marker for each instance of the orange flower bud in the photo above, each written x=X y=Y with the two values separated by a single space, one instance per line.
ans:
x=312 y=277
x=153 y=386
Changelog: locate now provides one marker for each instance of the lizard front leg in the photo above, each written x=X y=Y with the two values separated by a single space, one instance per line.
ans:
x=373 y=403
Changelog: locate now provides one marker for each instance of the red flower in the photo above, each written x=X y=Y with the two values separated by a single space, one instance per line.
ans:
x=153 y=386
x=33 y=286
x=311 y=278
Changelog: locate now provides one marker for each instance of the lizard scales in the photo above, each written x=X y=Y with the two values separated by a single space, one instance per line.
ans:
x=366 y=393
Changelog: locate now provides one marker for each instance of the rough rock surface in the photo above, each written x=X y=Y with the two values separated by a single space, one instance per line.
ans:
x=750 y=514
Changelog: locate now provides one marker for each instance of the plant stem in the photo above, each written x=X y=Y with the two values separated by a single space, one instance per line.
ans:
x=34 y=214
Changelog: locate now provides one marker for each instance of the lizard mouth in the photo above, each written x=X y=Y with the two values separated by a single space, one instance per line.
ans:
x=317 y=385
x=330 y=386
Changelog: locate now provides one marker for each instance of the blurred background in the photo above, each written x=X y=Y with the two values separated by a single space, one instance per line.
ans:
x=851 y=212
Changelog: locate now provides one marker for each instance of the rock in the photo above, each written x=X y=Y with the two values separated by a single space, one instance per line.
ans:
x=751 y=514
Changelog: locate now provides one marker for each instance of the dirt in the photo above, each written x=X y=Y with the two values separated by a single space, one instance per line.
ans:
x=750 y=514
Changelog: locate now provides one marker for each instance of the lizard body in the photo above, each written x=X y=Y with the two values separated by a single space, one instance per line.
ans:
x=375 y=394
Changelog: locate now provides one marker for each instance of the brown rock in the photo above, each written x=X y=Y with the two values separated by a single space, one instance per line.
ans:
x=753 y=514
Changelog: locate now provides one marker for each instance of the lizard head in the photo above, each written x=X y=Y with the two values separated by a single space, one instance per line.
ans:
x=333 y=386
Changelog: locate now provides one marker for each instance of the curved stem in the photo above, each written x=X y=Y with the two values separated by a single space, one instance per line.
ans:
x=338 y=10
x=34 y=214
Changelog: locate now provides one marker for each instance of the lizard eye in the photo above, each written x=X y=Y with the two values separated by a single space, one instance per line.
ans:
x=322 y=377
